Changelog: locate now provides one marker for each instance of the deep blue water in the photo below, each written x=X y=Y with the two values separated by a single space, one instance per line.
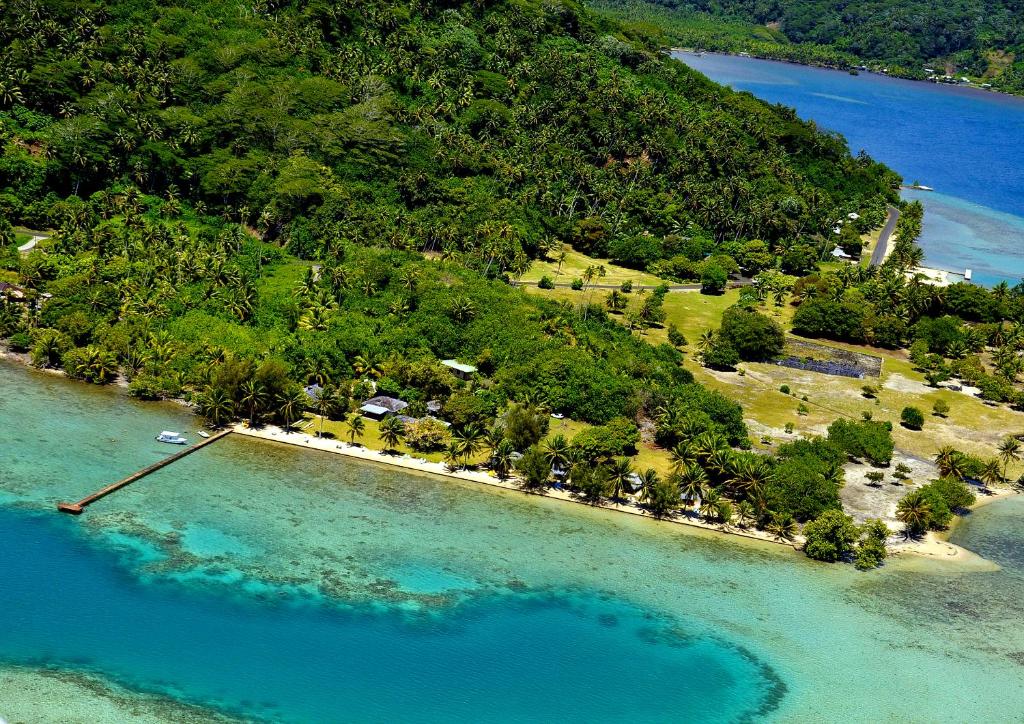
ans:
x=966 y=143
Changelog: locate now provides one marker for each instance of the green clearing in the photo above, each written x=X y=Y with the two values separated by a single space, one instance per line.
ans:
x=971 y=425
x=575 y=264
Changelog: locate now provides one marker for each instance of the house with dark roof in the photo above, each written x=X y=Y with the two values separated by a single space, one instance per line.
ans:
x=379 y=407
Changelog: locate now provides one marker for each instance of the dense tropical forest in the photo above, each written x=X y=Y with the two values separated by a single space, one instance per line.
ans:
x=983 y=39
x=243 y=202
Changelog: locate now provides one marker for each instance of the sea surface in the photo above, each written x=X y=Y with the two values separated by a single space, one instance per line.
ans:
x=966 y=143
x=265 y=582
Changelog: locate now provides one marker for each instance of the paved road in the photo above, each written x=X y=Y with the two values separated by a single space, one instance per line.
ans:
x=878 y=255
x=742 y=282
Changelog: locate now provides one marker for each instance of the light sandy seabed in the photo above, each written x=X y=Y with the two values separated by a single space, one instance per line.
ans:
x=930 y=546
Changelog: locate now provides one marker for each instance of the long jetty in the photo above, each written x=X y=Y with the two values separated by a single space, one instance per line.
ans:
x=77 y=508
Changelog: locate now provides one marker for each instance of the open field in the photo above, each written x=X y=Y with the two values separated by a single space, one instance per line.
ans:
x=971 y=425
x=576 y=263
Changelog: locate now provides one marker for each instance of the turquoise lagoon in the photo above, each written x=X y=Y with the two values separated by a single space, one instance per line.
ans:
x=966 y=143
x=265 y=582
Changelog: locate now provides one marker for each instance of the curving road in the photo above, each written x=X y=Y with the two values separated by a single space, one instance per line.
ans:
x=878 y=255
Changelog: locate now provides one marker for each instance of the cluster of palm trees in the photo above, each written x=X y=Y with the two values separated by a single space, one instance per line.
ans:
x=953 y=463
x=254 y=400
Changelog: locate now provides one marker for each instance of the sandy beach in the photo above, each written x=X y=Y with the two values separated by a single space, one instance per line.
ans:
x=935 y=545
x=276 y=434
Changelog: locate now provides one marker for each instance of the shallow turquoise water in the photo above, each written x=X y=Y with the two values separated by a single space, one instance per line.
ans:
x=274 y=582
x=966 y=143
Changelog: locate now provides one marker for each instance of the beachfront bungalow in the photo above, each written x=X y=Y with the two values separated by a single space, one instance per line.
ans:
x=461 y=371
x=313 y=391
x=379 y=407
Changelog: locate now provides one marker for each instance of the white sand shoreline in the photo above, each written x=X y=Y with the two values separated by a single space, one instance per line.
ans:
x=276 y=434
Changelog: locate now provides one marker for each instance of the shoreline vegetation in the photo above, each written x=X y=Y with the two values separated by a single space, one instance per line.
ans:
x=273 y=433
x=932 y=545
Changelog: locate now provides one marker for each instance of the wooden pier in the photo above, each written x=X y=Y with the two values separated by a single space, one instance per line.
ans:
x=77 y=508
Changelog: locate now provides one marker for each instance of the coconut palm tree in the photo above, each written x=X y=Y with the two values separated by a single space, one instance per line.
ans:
x=949 y=461
x=291 y=406
x=452 y=455
x=391 y=432
x=682 y=455
x=649 y=478
x=367 y=365
x=557 y=452
x=327 y=400
x=914 y=512
x=692 y=482
x=356 y=428
x=216 y=406
x=991 y=473
x=1009 y=449
x=470 y=440
x=254 y=395
x=744 y=513
x=620 y=471
x=501 y=458
x=749 y=476
x=710 y=502
x=783 y=526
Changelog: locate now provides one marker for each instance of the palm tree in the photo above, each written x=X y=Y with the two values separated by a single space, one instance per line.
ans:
x=367 y=365
x=782 y=526
x=744 y=513
x=649 y=478
x=501 y=458
x=991 y=473
x=710 y=503
x=326 y=401
x=216 y=406
x=914 y=512
x=291 y=406
x=557 y=452
x=749 y=476
x=463 y=309
x=706 y=339
x=682 y=456
x=391 y=432
x=470 y=439
x=452 y=455
x=621 y=471
x=1009 y=449
x=254 y=395
x=692 y=481
x=356 y=428
x=492 y=439
x=949 y=461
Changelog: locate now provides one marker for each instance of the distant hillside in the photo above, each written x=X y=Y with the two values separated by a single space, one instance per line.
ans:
x=983 y=39
x=498 y=125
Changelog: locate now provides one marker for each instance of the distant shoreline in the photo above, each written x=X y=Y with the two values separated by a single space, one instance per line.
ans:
x=842 y=69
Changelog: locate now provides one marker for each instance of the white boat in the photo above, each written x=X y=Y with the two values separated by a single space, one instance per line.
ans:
x=203 y=434
x=172 y=438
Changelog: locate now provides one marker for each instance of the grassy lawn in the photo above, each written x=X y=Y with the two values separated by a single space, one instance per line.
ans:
x=371 y=438
x=971 y=425
x=574 y=265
